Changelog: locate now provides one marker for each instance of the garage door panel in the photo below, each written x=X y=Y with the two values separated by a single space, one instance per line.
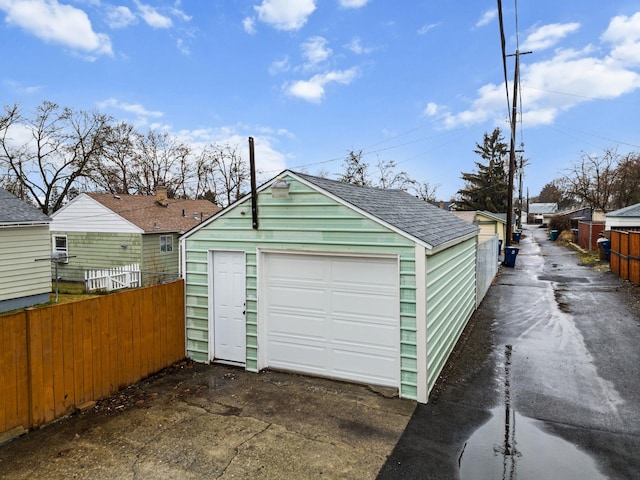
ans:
x=363 y=271
x=296 y=325
x=297 y=298
x=334 y=316
x=306 y=268
x=365 y=305
x=350 y=332
x=365 y=367
x=293 y=356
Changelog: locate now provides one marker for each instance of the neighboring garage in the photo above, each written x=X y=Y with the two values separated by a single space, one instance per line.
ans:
x=337 y=280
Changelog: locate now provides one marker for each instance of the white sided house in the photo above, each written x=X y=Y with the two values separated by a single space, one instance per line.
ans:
x=101 y=231
x=25 y=265
x=337 y=280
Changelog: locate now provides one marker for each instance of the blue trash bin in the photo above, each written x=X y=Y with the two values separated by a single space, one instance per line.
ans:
x=510 y=254
x=516 y=236
x=606 y=248
x=553 y=234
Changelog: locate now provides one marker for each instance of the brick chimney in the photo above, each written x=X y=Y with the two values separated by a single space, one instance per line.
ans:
x=161 y=195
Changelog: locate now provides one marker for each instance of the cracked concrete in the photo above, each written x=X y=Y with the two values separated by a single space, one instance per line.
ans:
x=212 y=421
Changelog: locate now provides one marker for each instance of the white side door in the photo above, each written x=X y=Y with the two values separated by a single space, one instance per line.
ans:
x=227 y=323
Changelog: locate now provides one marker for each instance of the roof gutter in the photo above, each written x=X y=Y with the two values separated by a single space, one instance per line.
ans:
x=450 y=243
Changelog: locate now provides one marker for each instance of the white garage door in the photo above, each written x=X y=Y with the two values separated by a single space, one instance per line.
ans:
x=334 y=316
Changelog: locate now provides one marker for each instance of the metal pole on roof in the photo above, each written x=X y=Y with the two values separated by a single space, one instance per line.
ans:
x=254 y=189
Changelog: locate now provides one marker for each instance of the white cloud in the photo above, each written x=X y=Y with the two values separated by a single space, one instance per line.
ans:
x=56 y=23
x=551 y=87
x=268 y=158
x=355 y=45
x=120 y=17
x=487 y=17
x=432 y=109
x=279 y=66
x=142 y=114
x=489 y=105
x=546 y=85
x=426 y=28
x=313 y=90
x=285 y=14
x=182 y=46
x=548 y=36
x=152 y=17
x=353 y=3
x=315 y=51
x=624 y=34
x=249 y=25
x=18 y=87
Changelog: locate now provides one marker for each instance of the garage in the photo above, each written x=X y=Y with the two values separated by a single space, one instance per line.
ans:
x=334 y=316
x=343 y=281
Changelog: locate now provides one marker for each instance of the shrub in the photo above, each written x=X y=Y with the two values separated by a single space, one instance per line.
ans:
x=560 y=223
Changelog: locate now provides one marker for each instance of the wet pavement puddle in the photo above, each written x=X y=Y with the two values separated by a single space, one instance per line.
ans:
x=511 y=446
x=520 y=448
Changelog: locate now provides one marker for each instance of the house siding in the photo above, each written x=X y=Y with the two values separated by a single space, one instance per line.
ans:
x=97 y=250
x=490 y=226
x=87 y=215
x=157 y=266
x=451 y=299
x=306 y=221
x=23 y=276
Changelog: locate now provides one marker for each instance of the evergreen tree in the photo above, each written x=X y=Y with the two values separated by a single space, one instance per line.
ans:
x=488 y=187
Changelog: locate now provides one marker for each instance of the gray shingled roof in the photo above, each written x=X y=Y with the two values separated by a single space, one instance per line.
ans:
x=16 y=211
x=403 y=211
x=630 y=211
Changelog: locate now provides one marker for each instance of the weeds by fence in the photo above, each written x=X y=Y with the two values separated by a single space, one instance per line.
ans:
x=55 y=359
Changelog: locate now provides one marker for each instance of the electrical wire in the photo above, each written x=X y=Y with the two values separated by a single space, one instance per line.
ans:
x=504 y=57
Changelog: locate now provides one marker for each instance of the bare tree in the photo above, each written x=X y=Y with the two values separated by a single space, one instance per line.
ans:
x=161 y=159
x=49 y=153
x=116 y=170
x=627 y=185
x=388 y=177
x=425 y=191
x=8 y=180
x=592 y=179
x=355 y=170
x=222 y=174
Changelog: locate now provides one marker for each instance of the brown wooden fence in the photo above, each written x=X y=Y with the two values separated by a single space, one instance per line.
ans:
x=625 y=255
x=55 y=359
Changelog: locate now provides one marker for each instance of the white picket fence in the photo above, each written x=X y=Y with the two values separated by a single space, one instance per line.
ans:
x=126 y=276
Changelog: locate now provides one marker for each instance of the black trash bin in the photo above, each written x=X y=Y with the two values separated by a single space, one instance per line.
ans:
x=510 y=254
x=499 y=247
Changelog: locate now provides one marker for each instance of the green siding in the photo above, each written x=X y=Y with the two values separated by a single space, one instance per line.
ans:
x=157 y=266
x=98 y=250
x=306 y=221
x=22 y=275
x=450 y=302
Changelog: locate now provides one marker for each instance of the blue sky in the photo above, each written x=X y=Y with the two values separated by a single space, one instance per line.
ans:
x=415 y=82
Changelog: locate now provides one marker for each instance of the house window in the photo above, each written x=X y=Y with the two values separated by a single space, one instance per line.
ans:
x=60 y=247
x=166 y=244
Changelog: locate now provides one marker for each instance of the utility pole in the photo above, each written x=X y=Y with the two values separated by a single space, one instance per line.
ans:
x=520 y=174
x=512 y=149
